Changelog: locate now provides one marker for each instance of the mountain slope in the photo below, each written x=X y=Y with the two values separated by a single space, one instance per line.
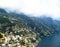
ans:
x=2 y=10
x=30 y=28
x=12 y=24
x=44 y=26
x=49 y=23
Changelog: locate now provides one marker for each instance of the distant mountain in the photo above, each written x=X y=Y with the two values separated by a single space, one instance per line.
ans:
x=49 y=23
x=2 y=10
x=43 y=30
x=44 y=26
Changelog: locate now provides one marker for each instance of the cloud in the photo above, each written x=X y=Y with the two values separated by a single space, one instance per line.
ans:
x=35 y=7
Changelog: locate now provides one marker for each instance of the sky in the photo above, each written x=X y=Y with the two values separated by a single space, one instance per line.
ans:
x=49 y=8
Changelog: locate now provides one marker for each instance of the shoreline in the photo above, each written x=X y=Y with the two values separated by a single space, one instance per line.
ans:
x=35 y=44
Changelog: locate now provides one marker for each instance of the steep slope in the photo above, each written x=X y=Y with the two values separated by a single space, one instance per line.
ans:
x=12 y=25
x=32 y=28
x=44 y=26
x=49 y=23
x=2 y=10
x=43 y=30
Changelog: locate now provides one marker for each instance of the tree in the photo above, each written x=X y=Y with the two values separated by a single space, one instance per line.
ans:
x=22 y=42
x=1 y=36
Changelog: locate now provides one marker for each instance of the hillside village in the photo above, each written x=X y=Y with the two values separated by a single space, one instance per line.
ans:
x=16 y=36
x=19 y=30
x=10 y=40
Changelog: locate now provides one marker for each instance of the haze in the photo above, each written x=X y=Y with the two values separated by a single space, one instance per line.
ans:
x=36 y=8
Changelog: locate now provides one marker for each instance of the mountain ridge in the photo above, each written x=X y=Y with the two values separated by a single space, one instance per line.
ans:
x=37 y=24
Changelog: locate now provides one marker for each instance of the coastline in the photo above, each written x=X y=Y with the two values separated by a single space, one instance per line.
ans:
x=35 y=44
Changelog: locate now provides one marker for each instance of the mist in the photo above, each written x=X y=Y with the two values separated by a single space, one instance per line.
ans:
x=36 y=8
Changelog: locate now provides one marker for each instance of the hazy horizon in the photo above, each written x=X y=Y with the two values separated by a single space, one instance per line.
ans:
x=37 y=8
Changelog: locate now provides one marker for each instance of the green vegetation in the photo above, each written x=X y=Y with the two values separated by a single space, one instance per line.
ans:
x=1 y=36
x=11 y=42
x=31 y=29
x=22 y=42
